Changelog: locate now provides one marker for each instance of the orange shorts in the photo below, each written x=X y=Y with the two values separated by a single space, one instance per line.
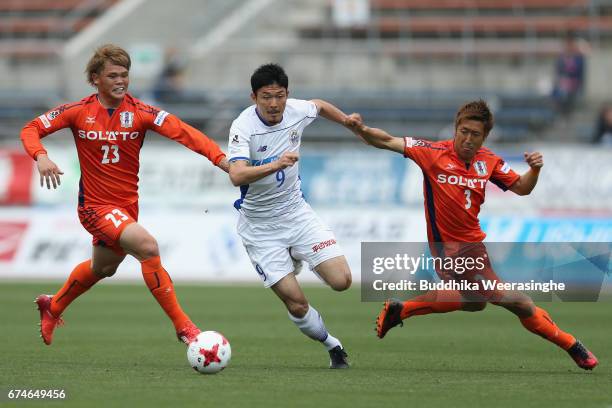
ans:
x=473 y=272
x=106 y=223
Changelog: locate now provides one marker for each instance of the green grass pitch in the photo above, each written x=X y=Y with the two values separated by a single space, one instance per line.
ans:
x=118 y=349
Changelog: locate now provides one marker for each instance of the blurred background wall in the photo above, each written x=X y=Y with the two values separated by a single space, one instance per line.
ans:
x=405 y=65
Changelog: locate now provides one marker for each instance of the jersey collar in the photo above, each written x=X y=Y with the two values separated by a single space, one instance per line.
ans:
x=107 y=109
x=265 y=122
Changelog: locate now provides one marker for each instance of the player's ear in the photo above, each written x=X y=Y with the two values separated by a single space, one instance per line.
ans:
x=253 y=97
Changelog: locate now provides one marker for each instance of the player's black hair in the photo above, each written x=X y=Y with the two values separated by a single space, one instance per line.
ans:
x=269 y=74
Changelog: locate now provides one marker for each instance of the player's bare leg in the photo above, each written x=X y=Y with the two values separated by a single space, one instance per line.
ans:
x=136 y=241
x=335 y=272
x=308 y=319
x=103 y=263
x=538 y=321
x=518 y=303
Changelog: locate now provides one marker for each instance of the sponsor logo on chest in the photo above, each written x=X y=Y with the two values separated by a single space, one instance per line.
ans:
x=461 y=181
x=109 y=135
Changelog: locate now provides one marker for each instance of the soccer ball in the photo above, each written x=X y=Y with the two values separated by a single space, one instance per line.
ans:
x=209 y=353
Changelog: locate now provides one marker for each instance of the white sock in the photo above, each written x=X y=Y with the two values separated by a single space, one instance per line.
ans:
x=312 y=326
x=330 y=342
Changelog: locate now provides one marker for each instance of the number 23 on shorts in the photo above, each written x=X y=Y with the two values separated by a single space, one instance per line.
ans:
x=118 y=220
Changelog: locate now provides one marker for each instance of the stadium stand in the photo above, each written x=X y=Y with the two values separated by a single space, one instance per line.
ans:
x=407 y=69
x=503 y=19
x=37 y=29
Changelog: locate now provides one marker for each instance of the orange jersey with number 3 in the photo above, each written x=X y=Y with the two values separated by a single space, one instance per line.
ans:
x=108 y=145
x=454 y=190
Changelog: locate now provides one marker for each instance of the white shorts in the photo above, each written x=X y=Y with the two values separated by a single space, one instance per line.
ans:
x=268 y=244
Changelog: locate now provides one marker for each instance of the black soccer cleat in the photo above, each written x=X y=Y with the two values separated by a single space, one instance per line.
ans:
x=389 y=317
x=338 y=358
x=582 y=356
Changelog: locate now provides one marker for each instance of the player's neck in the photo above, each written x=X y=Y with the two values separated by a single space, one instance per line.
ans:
x=109 y=103
x=264 y=121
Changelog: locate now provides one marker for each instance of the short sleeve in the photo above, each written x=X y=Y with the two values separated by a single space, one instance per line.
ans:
x=418 y=150
x=305 y=108
x=503 y=176
x=238 y=145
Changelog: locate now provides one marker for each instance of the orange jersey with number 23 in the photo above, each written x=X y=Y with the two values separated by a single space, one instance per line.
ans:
x=108 y=145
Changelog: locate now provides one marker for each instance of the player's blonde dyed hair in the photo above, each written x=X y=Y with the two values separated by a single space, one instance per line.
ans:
x=476 y=110
x=107 y=52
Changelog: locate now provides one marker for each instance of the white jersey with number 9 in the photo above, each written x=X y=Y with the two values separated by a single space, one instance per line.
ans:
x=250 y=139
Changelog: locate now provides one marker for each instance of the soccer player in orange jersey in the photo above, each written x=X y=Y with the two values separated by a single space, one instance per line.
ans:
x=455 y=174
x=109 y=129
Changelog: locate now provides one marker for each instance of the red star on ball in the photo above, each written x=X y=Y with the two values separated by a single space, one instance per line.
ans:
x=210 y=356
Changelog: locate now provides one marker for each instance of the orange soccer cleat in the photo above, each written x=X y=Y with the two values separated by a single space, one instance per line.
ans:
x=188 y=333
x=389 y=317
x=48 y=322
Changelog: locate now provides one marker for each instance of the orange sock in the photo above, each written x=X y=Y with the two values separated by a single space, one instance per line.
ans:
x=434 y=301
x=159 y=283
x=541 y=324
x=80 y=280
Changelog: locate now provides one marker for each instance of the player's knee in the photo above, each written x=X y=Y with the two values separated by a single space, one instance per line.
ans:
x=474 y=306
x=148 y=248
x=297 y=309
x=526 y=306
x=105 y=271
x=342 y=283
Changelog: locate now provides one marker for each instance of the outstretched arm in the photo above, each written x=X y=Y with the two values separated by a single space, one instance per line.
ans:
x=330 y=112
x=173 y=128
x=526 y=183
x=224 y=165
x=374 y=136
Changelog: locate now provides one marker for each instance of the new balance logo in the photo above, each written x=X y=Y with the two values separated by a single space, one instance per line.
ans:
x=262 y=148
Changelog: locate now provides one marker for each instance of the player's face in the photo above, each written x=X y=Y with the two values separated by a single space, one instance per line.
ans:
x=469 y=136
x=112 y=83
x=271 y=101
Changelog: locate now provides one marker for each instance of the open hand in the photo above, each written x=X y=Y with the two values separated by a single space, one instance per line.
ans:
x=48 y=170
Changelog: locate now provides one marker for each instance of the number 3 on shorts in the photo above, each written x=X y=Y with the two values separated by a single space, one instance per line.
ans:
x=117 y=222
